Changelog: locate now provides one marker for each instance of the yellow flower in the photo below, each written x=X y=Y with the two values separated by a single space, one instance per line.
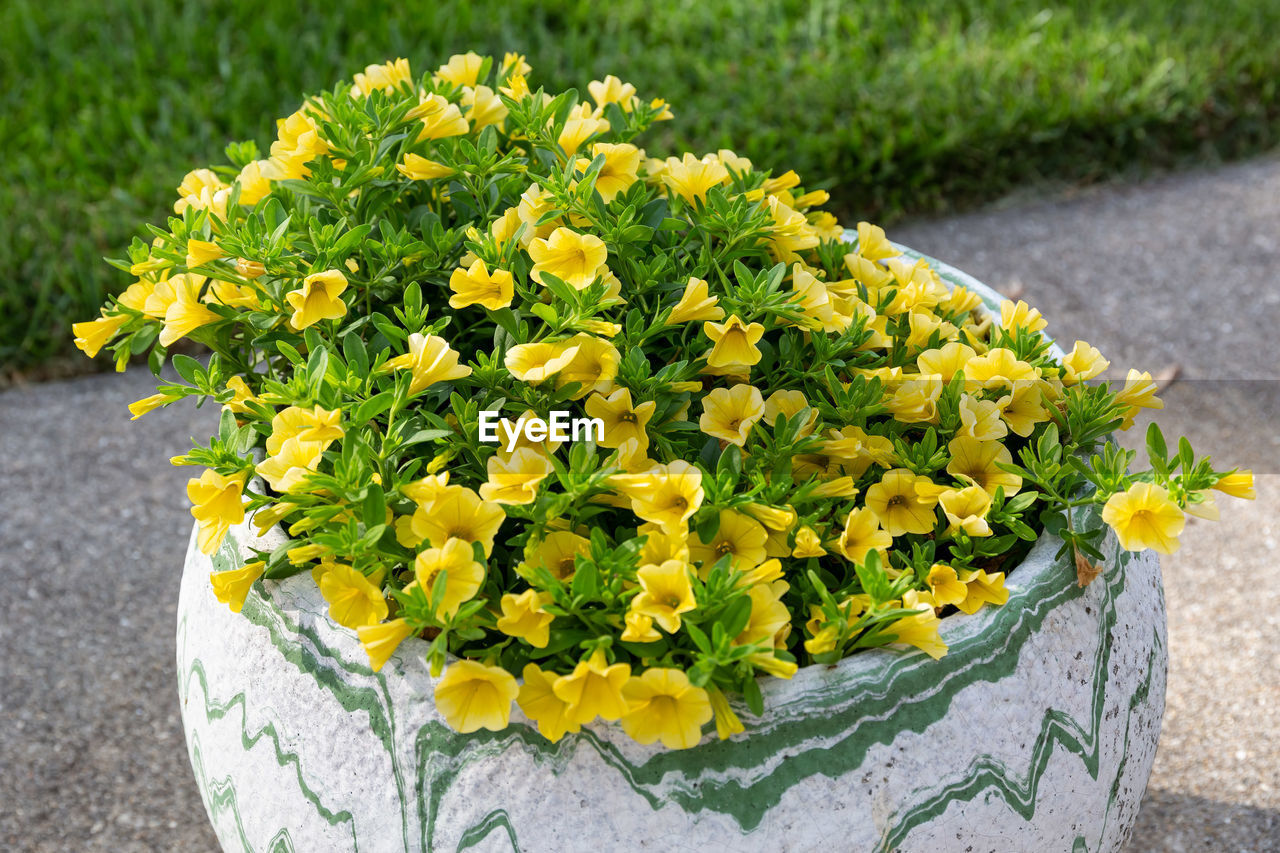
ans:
x=417 y=168
x=254 y=183
x=459 y=513
x=474 y=696
x=999 y=367
x=945 y=585
x=620 y=170
x=769 y=619
x=462 y=69
x=622 y=419
x=982 y=588
x=463 y=575
x=669 y=495
x=515 y=480
x=638 y=628
x=201 y=189
x=1024 y=407
x=141 y=407
x=727 y=722
x=538 y=700
x=790 y=233
x=593 y=689
x=916 y=400
x=216 y=505
x=288 y=469
x=517 y=88
x=315 y=424
x=93 y=335
x=1238 y=484
x=576 y=259
x=440 y=119
x=696 y=304
x=354 y=599
x=808 y=544
x=580 y=125
x=537 y=361
x=665 y=706
x=382 y=78
x=898 y=503
x=873 y=244
x=1139 y=392
x=557 y=553
x=297 y=143
x=430 y=359
x=980 y=419
x=185 y=313
x=611 y=90
x=920 y=630
x=1082 y=364
x=1020 y=315
x=523 y=617
x=1145 y=517
x=730 y=413
x=232 y=587
x=486 y=108
x=594 y=367
x=790 y=404
x=979 y=462
x=691 y=178
x=477 y=286
x=242 y=395
x=966 y=509
x=739 y=536
x=317 y=299
x=200 y=252
x=862 y=535
x=660 y=546
x=666 y=592
x=381 y=640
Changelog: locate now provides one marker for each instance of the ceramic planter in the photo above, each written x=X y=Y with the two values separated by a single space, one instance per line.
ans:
x=1036 y=732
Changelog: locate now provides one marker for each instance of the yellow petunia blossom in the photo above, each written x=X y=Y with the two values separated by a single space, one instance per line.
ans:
x=623 y=419
x=430 y=360
x=216 y=504
x=1000 y=367
x=1020 y=315
x=945 y=585
x=538 y=700
x=287 y=470
x=666 y=592
x=669 y=495
x=691 y=178
x=185 y=312
x=316 y=424
x=873 y=244
x=897 y=502
x=380 y=641
x=696 y=304
x=417 y=168
x=979 y=461
x=808 y=544
x=1237 y=484
x=93 y=335
x=1145 y=517
x=981 y=419
x=383 y=78
x=769 y=619
x=966 y=509
x=915 y=400
x=515 y=479
x=580 y=125
x=538 y=361
x=862 y=534
x=593 y=689
x=201 y=252
x=463 y=574
x=620 y=170
x=440 y=119
x=1024 y=408
x=734 y=342
x=253 y=182
x=638 y=628
x=727 y=722
x=557 y=553
x=462 y=69
x=232 y=587
x=1082 y=364
x=477 y=286
x=790 y=233
x=665 y=706
x=523 y=617
x=739 y=536
x=474 y=696
x=354 y=599
x=982 y=588
x=574 y=258
x=318 y=299
x=730 y=413
x=459 y=513
x=1139 y=392
x=920 y=630
x=593 y=367
x=202 y=189
x=611 y=90
x=485 y=107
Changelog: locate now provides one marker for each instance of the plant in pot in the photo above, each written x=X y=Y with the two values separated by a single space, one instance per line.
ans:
x=570 y=496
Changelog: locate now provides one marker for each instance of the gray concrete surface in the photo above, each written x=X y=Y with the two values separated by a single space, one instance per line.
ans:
x=1181 y=270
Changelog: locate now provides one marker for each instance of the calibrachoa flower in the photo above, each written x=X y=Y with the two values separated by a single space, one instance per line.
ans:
x=810 y=446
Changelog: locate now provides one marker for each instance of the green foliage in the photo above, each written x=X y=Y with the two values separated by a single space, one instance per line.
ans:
x=901 y=106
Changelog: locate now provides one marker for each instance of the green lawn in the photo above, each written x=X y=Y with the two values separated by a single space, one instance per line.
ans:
x=897 y=106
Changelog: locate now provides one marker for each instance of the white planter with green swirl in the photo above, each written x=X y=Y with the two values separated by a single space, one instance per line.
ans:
x=1035 y=732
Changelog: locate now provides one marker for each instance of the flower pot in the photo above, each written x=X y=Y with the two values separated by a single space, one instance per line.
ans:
x=1036 y=731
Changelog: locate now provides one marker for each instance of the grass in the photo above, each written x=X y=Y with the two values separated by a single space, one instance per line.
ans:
x=897 y=106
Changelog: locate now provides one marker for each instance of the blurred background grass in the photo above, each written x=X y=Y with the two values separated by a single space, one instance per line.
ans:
x=898 y=106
